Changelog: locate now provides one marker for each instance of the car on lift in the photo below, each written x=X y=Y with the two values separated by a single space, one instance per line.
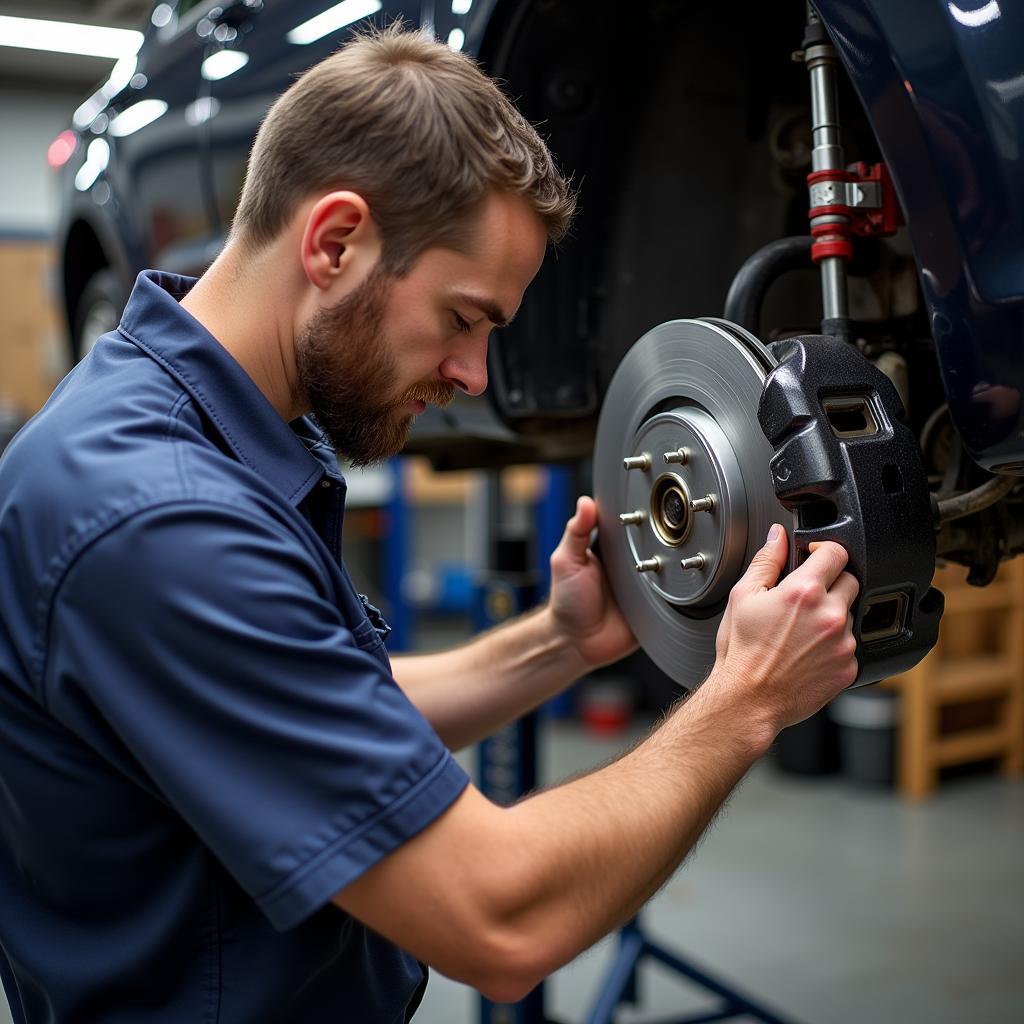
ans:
x=691 y=132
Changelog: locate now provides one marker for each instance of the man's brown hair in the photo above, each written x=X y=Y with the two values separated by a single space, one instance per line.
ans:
x=415 y=128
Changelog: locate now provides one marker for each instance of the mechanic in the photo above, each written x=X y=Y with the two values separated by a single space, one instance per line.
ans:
x=218 y=801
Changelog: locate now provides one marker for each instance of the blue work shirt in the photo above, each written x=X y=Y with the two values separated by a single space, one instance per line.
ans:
x=200 y=738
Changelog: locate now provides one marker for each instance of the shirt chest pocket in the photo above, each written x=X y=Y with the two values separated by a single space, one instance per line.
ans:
x=368 y=638
x=369 y=629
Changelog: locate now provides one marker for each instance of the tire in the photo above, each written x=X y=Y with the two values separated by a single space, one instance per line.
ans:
x=99 y=311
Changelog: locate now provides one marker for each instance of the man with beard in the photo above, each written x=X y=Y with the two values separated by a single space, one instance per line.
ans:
x=220 y=800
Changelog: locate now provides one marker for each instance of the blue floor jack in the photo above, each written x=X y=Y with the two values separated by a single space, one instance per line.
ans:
x=508 y=769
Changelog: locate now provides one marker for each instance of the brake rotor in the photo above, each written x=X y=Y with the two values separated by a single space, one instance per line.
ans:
x=683 y=486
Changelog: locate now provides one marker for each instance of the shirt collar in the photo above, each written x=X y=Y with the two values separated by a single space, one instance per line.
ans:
x=292 y=460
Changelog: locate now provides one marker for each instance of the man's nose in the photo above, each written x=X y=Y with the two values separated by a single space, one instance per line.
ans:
x=466 y=368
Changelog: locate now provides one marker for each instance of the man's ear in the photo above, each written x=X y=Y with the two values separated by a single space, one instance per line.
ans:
x=339 y=240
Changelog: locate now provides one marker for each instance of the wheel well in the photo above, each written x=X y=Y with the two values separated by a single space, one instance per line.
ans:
x=83 y=257
x=679 y=125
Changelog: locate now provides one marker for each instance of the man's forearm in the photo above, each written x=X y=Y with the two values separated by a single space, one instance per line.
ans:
x=591 y=852
x=507 y=895
x=469 y=692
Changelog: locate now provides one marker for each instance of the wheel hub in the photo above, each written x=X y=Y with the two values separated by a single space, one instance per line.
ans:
x=692 y=497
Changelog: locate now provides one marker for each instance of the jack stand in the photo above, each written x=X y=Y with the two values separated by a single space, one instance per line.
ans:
x=620 y=984
x=507 y=761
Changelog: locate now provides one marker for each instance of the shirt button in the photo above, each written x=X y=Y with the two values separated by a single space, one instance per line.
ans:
x=326 y=484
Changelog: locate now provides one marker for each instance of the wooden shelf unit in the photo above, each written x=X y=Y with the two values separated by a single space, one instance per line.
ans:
x=979 y=658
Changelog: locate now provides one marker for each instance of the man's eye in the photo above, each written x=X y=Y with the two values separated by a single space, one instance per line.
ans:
x=461 y=323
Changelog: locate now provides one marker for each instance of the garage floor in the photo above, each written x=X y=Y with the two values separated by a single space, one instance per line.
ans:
x=830 y=903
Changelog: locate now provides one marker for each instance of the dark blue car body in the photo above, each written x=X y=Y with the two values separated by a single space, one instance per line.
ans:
x=943 y=87
x=941 y=84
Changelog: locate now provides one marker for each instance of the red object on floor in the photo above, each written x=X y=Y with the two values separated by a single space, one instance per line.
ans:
x=605 y=710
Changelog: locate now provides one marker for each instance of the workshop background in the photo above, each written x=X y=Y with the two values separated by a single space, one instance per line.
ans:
x=870 y=869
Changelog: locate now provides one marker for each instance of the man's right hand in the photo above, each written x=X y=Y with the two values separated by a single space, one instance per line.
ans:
x=788 y=649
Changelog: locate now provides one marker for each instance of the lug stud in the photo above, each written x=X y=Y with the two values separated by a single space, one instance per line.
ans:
x=696 y=562
x=632 y=518
x=681 y=456
x=649 y=565
x=705 y=504
x=642 y=461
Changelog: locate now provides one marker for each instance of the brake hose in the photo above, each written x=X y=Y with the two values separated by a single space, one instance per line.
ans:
x=960 y=505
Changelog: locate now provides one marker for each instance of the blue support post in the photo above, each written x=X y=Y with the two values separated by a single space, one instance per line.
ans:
x=553 y=510
x=507 y=760
x=396 y=555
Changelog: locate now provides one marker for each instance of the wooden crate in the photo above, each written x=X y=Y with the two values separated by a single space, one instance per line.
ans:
x=964 y=702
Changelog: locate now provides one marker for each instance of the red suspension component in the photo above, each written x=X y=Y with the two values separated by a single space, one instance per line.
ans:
x=863 y=202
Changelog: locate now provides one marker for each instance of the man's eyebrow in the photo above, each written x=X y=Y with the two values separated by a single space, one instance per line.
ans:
x=488 y=308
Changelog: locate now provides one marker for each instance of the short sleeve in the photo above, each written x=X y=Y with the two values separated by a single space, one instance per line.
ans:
x=207 y=640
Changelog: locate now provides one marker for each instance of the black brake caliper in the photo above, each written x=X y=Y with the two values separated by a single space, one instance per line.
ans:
x=852 y=472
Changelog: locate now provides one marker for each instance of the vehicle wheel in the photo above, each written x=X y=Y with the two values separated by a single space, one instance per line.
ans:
x=99 y=311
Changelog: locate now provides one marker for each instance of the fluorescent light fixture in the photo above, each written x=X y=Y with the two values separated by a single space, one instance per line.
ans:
x=86 y=113
x=461 y=6
x=977 y=18
x=334 y=18
x=223 y=63
x=86 y=175
x=68 y=37
x=137 y=116
x=456 y=38
x=201 y=110
x=120 y=75
x=96 y=158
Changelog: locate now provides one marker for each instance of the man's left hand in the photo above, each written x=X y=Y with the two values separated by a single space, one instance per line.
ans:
x=581 y=602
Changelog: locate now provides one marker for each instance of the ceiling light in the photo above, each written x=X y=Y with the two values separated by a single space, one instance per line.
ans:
x=201 y=110
x=332 y=19
x=120 y=75
x=137 y=116
x=68 y=37
x=223 y=63
x=96 y=158
x=85 y=114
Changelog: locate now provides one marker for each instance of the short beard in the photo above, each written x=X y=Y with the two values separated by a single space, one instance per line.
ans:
x=349 y=376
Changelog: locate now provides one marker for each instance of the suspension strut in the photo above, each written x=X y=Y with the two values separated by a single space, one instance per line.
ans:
x=830 y=226
x=859 y=200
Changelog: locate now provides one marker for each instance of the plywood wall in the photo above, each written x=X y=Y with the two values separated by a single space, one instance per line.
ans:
x=32 y=345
